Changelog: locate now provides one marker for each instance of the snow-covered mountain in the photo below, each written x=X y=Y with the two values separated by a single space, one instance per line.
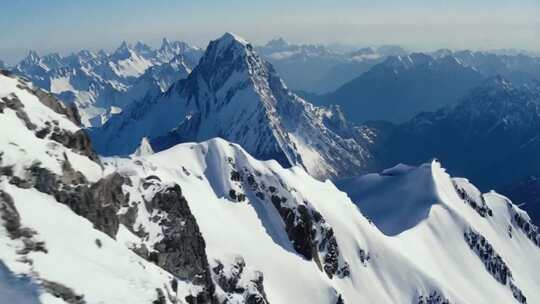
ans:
x=208 y=223
x=101 y=84
x=403 y=86
x=236 y=95
x=491 y=135
x=517 y=66
x=318 y=68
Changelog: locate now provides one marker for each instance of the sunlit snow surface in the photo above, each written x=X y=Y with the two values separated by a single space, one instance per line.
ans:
x=428 y=254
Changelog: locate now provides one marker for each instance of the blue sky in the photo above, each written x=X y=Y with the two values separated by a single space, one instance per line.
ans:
x=66 y=25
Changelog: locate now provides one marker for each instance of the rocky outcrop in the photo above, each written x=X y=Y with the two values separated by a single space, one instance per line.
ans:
x=524 y=224
x=65 y=293
x=236 y=284
x=49 y=100
x=493 y=262
x=479 y=206
x=14 y=103
x=11 y=221
x=180 y=247
x=182 y=250
x=98 y=202
x=78 y=141
x=433 y=298
x=311 y=236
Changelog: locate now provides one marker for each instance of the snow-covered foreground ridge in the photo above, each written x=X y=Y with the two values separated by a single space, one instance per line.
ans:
x=208 y=223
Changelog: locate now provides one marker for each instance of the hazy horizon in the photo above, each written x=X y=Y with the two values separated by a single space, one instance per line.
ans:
x=64 y=26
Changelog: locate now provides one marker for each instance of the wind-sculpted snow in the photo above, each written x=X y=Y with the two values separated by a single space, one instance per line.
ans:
x=388 y=198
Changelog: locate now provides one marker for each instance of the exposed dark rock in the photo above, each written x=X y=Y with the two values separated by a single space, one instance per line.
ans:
x=524 y=224
x=14 y=103
x=480 y=207
x=161 y=299
x=182 y=251
x=42 y=133
x=433 y=298
x=364 y=256
x=231 y=281
x=517 y=293
x=78 y=142
x=63 y=292
x=99 y=202
x=232 y=194
x=235 y=176
x=12 y=222
x=312 y=236
x=493 y=262
x=300 y=231
x=47 y=99
x=9 y=215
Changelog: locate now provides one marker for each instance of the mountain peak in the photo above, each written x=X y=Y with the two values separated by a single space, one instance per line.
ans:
x=165 y=44
x=141 y=46
x=123 y=51
x=229 y=38
x=32 y=56
x=123 y=48
x=227 y=48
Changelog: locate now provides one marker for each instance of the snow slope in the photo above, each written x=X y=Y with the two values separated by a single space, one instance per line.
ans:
x=429 y=254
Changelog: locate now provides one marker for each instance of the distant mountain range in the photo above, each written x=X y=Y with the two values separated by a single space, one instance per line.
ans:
x=491 y=135
x=401 y=87
x=318 y=68
x=101 y=84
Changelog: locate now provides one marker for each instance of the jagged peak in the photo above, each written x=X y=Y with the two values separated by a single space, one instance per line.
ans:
x=124 y=45
x=32 y=56
x=165 y=43
x=123 y=48
x=141 y=46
